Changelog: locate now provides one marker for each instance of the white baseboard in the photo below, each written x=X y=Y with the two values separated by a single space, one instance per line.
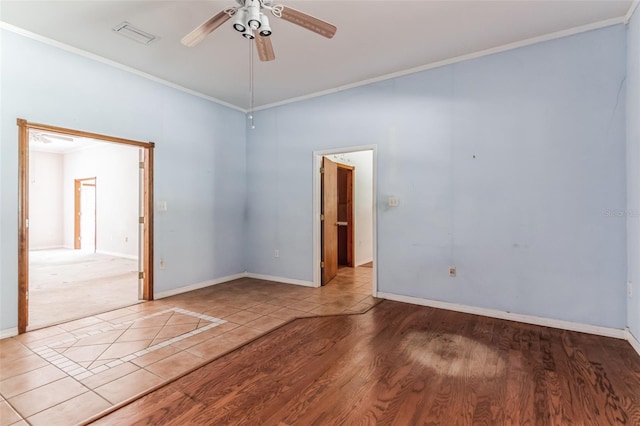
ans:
x=635 y=344
x=114 y=254
x=280 y=279
x=8 y=332
x=198 y=286
x=493 y=313
x=32 y=248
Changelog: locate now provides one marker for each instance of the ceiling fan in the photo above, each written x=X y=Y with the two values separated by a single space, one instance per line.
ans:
x=49 y=138
x=253 y=23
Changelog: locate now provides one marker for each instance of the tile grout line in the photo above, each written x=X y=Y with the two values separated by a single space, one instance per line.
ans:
x=328 y=298
x=78 y=372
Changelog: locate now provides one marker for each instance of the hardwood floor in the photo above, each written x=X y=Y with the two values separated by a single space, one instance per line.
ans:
x=401 y=364
x=69 y=373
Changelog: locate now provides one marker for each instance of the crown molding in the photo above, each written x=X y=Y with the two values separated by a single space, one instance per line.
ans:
x=118 y=65
x=450 y=61
x=438 y=64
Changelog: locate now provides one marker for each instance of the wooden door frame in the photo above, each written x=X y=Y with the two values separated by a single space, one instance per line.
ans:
x=350 y=224
x=77 y=208
x=315 y=170
x=23 y=209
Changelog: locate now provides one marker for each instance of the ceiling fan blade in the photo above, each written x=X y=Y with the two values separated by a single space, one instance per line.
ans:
x=197 y=35
x=264 y=48
x=59 y=137
x=309 y=22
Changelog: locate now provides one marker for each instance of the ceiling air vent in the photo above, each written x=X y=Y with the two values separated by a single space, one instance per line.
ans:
x=129 y=31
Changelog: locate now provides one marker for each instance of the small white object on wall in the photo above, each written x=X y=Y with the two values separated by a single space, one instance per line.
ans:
x=393 y=202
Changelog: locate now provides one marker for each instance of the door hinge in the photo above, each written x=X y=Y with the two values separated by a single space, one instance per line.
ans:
x=141 y=219
x=26 y=223
x=322 y=264
x=321 y=217
x=321 y=170
x=140 y=275
x=26 y=295
x=142 y=164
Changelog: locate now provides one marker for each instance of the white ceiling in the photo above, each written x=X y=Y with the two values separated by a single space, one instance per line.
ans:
x=57 y=143
x=374 y=38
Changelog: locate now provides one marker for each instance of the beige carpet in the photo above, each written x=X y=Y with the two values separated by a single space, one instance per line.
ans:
x=69 y=284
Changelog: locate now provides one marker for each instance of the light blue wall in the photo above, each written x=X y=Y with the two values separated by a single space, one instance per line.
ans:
x=200 y=167
x=531 y=222
x=633 y=170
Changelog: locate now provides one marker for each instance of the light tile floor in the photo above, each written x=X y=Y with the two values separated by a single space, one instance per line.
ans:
x=72 y=372
x=61 y=278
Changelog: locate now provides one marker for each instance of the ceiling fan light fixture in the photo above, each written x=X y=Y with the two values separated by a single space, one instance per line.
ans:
x=253 y=10
x=241 y=18
x=248 y=34
x=265 y=29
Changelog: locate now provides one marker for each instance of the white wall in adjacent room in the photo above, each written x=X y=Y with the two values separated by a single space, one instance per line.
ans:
x=116 y=170
x=45 y=200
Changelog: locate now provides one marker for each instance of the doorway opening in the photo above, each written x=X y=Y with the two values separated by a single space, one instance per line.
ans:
x=344 y=239
x=84 y=213
x=86 y=224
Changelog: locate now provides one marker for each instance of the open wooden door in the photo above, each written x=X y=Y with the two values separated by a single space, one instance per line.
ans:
x=345 y=215
x=329 y=222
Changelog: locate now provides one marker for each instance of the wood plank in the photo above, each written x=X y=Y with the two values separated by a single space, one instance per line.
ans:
x=350 y=218
x=147 y=251
x=329 y=189
x=23 y=228
x=153 y=412
x=405 y=364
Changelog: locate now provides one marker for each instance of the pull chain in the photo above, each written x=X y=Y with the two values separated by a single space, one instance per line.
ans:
x=251 y=85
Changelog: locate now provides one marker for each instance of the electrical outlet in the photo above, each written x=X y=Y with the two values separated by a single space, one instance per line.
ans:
x=452 y=271
x=162 y=265
x=630 y=289
x=276 y=253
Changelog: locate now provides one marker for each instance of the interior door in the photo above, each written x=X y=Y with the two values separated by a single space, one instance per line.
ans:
x=88 y=216
x=329 y=209
x=345 y=215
